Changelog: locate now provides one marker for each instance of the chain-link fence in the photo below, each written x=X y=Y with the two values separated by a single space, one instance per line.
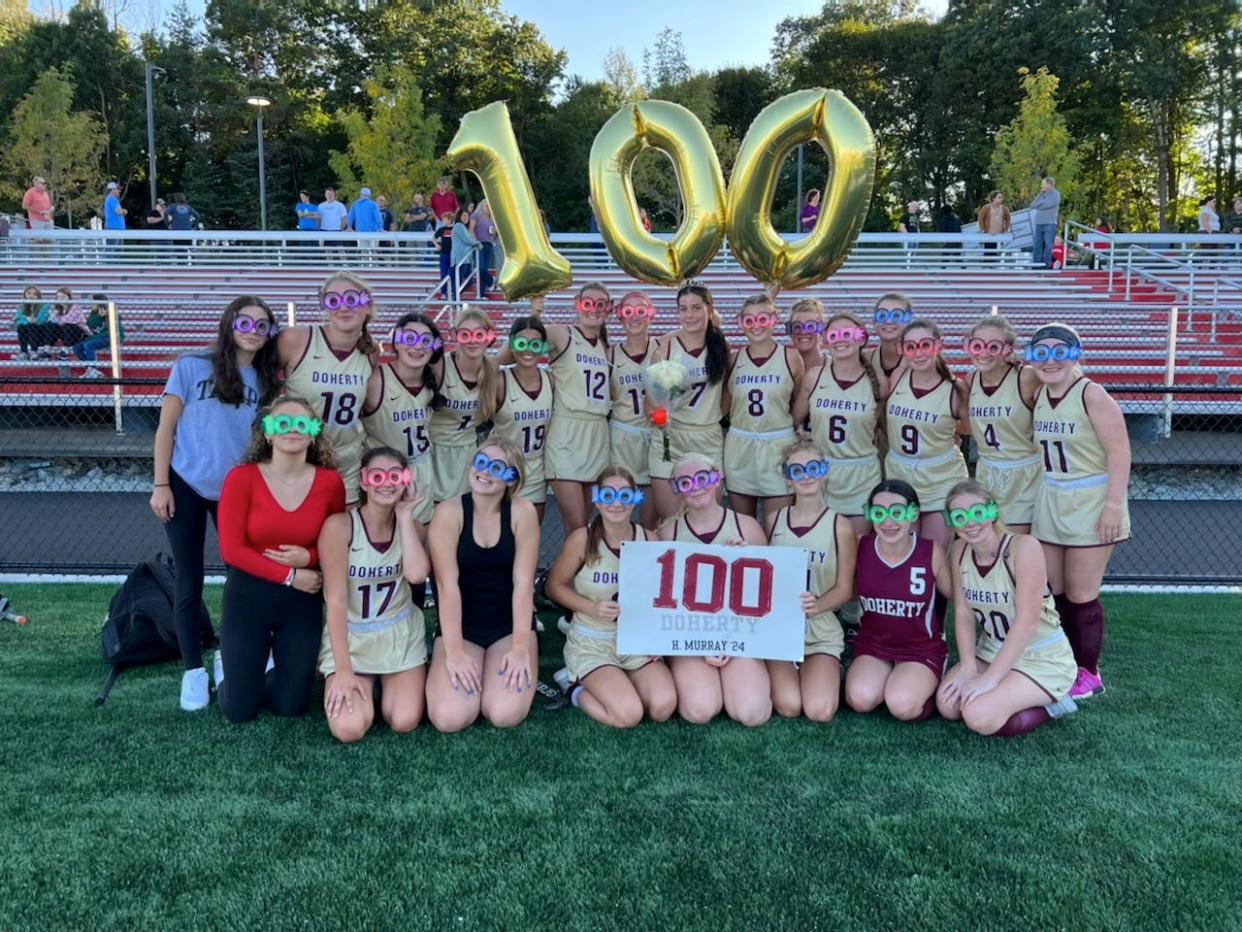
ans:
x=75 y=480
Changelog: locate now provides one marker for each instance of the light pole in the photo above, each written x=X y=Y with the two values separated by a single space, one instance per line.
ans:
x=259 y=103
x=151 y=70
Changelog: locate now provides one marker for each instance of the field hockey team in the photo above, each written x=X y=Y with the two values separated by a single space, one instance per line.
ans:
x=362 y=479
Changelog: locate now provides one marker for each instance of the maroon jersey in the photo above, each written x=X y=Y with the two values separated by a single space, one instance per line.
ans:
x=903 y=616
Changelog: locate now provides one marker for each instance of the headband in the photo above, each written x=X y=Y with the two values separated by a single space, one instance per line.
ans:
x=1056 y=332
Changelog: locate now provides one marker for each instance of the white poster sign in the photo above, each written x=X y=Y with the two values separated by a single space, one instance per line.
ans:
x=691 y=599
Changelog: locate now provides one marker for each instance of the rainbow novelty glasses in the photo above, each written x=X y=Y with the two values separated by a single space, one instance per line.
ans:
x=975 y=514
x=921 y=349
x=244 y=324
x=529 y=345
x=814 y=469
x=761 y=320
x=497 y=469
x=593 y=305
x=418 y=340
x=635 y=309
x=478 y=336
x=797 y=328
x=1057 y=352
x=348 y=300
x=604 y=495
x=703 y=479
x=892 y=315
x=275 y=425
x=976 y=347
x=845 y=335
x=374 y=477
x=878 y=514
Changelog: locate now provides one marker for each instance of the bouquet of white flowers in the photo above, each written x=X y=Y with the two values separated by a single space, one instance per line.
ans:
x=665 y=383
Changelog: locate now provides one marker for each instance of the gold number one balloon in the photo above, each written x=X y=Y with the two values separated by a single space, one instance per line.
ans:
x=675 y=131
x=485 y=145
x=814 y=115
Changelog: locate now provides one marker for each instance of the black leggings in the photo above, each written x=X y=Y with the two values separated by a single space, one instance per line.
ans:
x=257 y=617
x=32 y=336
x=187 y=533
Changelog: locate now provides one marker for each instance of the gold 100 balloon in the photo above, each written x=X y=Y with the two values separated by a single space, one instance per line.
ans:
x=485 y=145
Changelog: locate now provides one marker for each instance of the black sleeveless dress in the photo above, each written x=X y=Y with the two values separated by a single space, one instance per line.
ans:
x=485 y=579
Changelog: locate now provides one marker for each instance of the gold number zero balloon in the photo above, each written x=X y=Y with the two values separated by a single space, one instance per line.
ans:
x=485 y=145
x=675 y=131
x=813 y=115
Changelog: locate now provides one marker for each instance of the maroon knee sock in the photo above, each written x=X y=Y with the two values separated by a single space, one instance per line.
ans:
x=1025 y=721
x=1065 y=609
x=1089 y=641
x=929 y=709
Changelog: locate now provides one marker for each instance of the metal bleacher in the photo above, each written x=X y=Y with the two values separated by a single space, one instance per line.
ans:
x=169 y=292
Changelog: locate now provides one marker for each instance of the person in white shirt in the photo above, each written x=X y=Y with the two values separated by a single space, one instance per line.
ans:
x=333 y=217
x=1209 y=219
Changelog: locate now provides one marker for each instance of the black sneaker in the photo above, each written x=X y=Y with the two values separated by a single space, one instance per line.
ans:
x=553 y=698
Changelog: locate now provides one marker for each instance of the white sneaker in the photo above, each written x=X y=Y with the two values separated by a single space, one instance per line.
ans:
x=194 y=690
x=561 y=678
x=218 y=669
x=1066 y=706
x=271 y=664
x=563 y=625
x=21 y=356
x=92 y=373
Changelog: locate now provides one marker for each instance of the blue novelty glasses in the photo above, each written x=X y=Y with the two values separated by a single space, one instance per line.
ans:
x=1058 y=352
x=796 y=472
x=497 y=469
x=607 y=495
x=704 y=478
x=892 y=316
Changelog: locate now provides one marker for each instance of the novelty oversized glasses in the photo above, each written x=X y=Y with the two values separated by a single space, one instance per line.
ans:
x=244 y=324
x=373 y=477
x=607 y=495
x=416 y=339
x=593 y=305
x=335 y=300
x=921 y=349
x=529 y=345
x=976 y=347
x=1058 y=352
x=878 y=514
x=975 y=514
x=276 y=424
x=497 y=469
x=464 y=336
x=892 y=315
x=813 y=469
x=845 y=335
x=759 y=320
x=629 y=311
x=703 y=479
x=799 y=327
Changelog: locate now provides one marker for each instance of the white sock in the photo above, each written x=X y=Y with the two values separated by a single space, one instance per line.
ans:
x=575 y=696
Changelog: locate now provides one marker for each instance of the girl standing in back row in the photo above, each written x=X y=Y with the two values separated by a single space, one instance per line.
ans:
x=1083 y=505
x=468 y=380
x=629 y=428
x=524 y=405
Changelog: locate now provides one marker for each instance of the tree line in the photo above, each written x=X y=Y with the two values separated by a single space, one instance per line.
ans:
x=1132 y=104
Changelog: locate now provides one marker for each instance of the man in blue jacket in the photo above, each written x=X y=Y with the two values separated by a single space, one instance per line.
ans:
x=365 y=217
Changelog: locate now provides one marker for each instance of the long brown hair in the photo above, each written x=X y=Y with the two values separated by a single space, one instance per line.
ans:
x=919 y=323
x=228 y=386
x=862 y=356
x=595 y=527
x=488 y=372
x=259 y=450
x=366 y=343
x=430 y=379
x=717 y=346
x=374 y=453
x=1004 y=326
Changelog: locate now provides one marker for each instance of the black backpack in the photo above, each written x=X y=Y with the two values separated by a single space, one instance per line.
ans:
x=139 y=628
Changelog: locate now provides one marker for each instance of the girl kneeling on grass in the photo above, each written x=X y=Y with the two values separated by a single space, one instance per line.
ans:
x=272 y=509
x=814 y=686
x=370 y=557
x=705 y=685
x=899 y=653
x=484 y=548
x=1017 y=675
x=612 y=688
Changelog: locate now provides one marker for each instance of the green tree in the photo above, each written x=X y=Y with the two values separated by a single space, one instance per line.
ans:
x=1035 y=143
x=622 y=77
x=394 y=150
x=46 y=137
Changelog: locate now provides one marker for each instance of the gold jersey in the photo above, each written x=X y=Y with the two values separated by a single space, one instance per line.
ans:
x=761 y=393
x=454 y=424
x=402 y=417
x=921 y=425
x=820 y=542
x=1000 y=419
x=581 y=374
x=990 y=593
x=522 y=417
x=1065 y=436
x=599 y=582
x=336 y=384
x=627 y=385
x=843 y=416
x=700 y=405
x=378 y=589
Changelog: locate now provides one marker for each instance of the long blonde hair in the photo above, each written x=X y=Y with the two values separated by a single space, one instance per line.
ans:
x=489 y=374
x=515 y=457
x=366 y=343
x=686 y=459
x=974 y=487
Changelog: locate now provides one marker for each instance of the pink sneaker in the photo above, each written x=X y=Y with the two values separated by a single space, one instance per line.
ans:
x=1086 y=686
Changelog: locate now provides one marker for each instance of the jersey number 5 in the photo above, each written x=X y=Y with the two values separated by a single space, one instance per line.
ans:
x=918 y=580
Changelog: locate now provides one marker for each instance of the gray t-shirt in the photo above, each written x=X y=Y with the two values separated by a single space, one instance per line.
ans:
x=211 y=435
x=1047 y=205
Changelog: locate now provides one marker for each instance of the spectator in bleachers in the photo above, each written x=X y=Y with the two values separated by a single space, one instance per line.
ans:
x=35 y=328
x=464 y=248
x=444 y=199
x=157 y=216
x=70 y=318
x=181 y=216
x=97 y=325
x=38 y=204
x=364 y=217
x=209 y=405
x=387 y=222
x=994 y=219
x=308 y=216
x=444 y=247
x=810 y=211
x=947 y=220
x=1209 y=219
x=333 y=217
x=113 y=213
x=1233 y=220
x=417 y=217
x=484 y=229
x=910 y=221
x=1047 y=207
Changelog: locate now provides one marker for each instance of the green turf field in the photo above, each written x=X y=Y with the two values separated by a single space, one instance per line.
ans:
x=137 y=816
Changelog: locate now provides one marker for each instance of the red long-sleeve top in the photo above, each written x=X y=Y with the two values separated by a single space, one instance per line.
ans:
x=251 y=520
